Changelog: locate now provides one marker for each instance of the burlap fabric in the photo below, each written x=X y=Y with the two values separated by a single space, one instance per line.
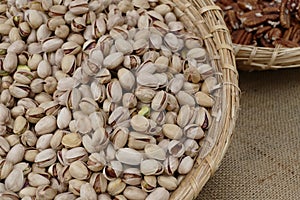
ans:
x=263 y=160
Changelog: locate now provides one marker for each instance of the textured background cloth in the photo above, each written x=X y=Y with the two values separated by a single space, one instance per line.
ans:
x=263 y=160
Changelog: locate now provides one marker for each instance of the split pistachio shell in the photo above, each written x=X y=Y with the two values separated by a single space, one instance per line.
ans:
x=159 y=102
x=45 y=158
x=138 y=141
x=79 y=170
x=116 y=187
x=132 y=176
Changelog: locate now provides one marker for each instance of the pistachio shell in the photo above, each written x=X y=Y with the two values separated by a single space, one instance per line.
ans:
x=129 y=156
x=172 y=131
x=113 y=60
x=71 y=140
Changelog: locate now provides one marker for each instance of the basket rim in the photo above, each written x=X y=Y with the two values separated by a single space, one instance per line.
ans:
x=204 y=18
x=250 y=57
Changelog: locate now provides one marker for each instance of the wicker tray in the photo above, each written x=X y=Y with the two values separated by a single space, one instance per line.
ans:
x=206 y=19
x=251 y=58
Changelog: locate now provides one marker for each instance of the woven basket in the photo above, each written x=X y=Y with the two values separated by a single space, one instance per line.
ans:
x=205 y=18
x=251 y=58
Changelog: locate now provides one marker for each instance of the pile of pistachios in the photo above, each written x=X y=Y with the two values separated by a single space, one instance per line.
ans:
x=99 y=99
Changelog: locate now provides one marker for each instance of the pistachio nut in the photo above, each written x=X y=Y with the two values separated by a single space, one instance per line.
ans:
x=185 y=99
x=139 y=123
x=77 y=153
x=191 y=147
x=203 y=99
x=45 y=158
x=113 y=60
x=16 y=153
x=43 y=142
x=193 y=131
x=65 y=196
x=63 y=118
x=18 y=90
x=4 y=146
x=23 y=76
x=114 y=91
x=5 y=168
x=119 y=137
x=168 y=182
x=185 y=116
x=186 y=165
x=126 y=79
x=176 y=148
x=119 y=115
x=138 y=141
x=155 y=152
x=15 y=180
x=113 y=170
x=151 y=167
x=33 y=115
x=115 y=187
x=131 y=61
x=27 y=191
x=45 y=192
x=45 y=125
x=149 y=183
x=30 y=155
x=172 y=131
x=71 y=140
x=20 y=125
x=10 y=62
x=79 y=170
x=96 y=162
x=98 y=182
x=132 y=176
x=51 y=44
x=132 y=192
x=87 y=192
x=159 y=102
x=75 y=185
x=160 y=193
x=129 y=156
x=5 y=114
x=171 y=165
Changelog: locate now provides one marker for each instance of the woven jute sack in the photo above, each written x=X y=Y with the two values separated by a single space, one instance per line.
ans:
x=206 y=19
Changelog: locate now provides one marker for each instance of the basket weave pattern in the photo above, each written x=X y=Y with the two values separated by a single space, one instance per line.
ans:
x=251 y=58
x=206 y=19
